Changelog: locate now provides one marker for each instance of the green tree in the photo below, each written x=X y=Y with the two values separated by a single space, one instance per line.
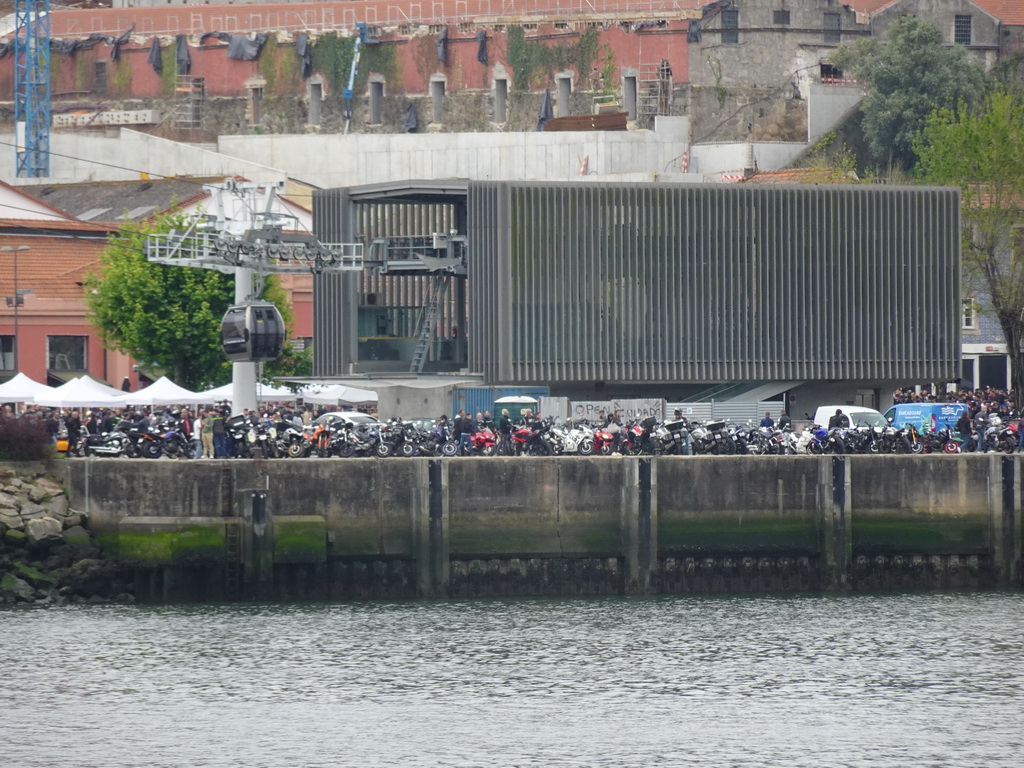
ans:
x=981 y=150
x=167 y=317
x=908 y=77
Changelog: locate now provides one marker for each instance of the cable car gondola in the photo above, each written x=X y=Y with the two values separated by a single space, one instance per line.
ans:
x=252 y=332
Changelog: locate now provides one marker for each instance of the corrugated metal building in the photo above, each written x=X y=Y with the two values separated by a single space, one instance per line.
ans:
x=580 y=285
x=701 y=283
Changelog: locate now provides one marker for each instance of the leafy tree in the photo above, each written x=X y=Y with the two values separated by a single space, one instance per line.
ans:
x=981 y=150
x=908 y=77
x=167 y=317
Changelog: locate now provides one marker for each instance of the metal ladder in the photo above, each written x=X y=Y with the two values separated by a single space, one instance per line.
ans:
x=652 y=91
x=232 y=559
x=428 y=322
x=189 y=92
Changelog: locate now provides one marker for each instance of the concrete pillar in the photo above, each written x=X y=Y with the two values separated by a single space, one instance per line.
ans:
x=1005 y=519
x=256 y=548
x=432 y=550
x=834 y=505
x=637 y=502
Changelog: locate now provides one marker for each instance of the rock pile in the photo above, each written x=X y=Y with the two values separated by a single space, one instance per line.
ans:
x=46 y=553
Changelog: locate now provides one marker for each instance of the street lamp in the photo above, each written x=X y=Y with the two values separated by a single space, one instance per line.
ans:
x=19 y=296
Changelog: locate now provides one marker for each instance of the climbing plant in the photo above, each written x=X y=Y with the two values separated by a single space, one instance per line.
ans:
x=332 y=56
x=534 y=62
x=382 y=59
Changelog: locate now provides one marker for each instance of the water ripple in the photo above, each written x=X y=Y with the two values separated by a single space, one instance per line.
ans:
x=810 y=680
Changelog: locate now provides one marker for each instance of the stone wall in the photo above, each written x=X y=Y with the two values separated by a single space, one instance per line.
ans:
x=401 y=528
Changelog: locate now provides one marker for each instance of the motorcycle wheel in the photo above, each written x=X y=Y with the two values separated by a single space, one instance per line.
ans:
x=1007 y=445
x=586 y=448
x=488 y=450
x=383 y=450
x=837 y=447
x=152 y=450
x=296 y=450
x=450 y=448
x=606 y=449
x=951 y=446
x=347 y=451
x=407 y=450
x=917 y=447
x=815 y=448
x=540 y=449
x=902 y=446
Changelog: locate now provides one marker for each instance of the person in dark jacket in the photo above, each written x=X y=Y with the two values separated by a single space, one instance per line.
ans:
x=469 y=428
x=840 y=420
x=963 y=426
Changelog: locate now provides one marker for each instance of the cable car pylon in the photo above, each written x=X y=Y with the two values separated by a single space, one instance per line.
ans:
x=247 y=235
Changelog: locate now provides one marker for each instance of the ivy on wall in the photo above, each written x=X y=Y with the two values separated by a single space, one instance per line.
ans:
x=332 y=57
x=533 y=62
x=121 y=77
x=170 y=71
x=82 y=73
x=382 y=59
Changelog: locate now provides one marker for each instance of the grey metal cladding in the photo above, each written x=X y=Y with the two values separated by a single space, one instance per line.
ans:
x=661 y=283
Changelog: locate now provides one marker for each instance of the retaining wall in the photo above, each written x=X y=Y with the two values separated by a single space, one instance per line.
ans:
x=336 y=529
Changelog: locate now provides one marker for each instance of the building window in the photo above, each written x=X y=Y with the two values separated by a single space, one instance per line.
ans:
x=962 y=29
x=970 y=316
x=780 y=18
x=629 y=96
x=501 y=101
x=437 y=99
x=832 y=25
x=730 y=27
x=254 y=104
x=66 y=353
x=316 y=100
x=830 y=73
x=564 y=88
x=99 y=83
x=376 y=102
x=6 y=353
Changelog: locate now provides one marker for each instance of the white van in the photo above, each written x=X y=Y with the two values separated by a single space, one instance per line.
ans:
x=858 y=415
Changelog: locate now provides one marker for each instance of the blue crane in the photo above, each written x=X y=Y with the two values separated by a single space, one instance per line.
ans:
x=363 y=38
x=32 y=87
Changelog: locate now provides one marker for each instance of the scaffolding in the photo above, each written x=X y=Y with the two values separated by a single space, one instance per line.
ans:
x=32 y=87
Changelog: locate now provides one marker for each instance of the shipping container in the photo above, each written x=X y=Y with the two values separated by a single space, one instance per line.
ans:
x=479 y=399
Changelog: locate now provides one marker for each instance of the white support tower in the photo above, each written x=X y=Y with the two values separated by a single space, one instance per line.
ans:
x=245 y=234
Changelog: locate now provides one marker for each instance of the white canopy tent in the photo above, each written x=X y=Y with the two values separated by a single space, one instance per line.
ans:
x=264 y=394
x=163 y=391
x=339 y=394
x=22 y=389
x=83 y=392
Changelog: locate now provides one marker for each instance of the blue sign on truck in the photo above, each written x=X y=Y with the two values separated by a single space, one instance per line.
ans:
x=927 y=417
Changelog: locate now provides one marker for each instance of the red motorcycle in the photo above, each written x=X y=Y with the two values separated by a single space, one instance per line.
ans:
x=482 y=443
x=527 y=441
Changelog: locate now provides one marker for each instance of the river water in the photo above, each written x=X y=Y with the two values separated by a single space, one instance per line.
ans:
x=809 y=680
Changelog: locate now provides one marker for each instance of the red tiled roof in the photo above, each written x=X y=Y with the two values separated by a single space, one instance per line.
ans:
x=1010 y=12
x=52 y=266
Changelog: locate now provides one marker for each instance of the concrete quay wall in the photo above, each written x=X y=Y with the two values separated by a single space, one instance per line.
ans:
x=337 y=529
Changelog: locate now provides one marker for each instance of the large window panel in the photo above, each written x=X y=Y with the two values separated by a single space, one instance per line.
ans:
x=66 y=353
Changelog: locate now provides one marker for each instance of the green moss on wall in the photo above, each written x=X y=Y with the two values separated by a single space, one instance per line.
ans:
x=300 y=539
x=189 y=543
